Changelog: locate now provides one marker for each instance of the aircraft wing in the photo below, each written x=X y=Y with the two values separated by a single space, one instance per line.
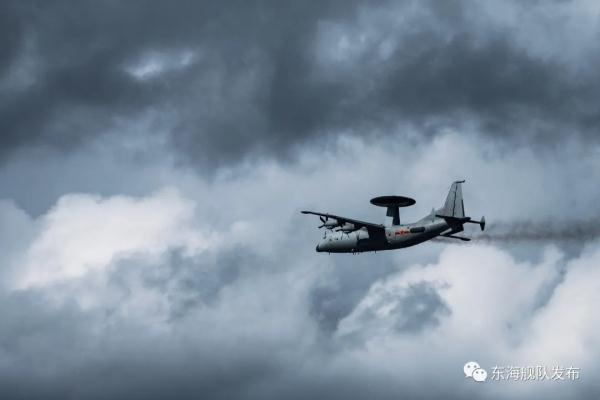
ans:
x=375 y=230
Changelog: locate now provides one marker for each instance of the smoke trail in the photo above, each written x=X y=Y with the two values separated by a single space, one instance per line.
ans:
x=542 y=231
x=536 y=231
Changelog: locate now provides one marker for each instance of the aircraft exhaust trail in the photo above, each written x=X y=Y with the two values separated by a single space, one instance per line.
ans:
x=541 y=231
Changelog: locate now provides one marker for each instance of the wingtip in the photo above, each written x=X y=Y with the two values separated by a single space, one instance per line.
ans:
x=304 y=212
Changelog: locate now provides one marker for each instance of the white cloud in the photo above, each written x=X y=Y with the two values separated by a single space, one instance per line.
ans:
x=99 y=253
x=85 y=233
x=501 y=310
x=567 y=327
x=498 y=317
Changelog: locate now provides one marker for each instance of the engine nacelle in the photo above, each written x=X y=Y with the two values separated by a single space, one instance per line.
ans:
x=347 y=227
x=330 y=224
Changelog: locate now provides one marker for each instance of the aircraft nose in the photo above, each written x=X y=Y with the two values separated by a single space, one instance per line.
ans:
x=317 y=248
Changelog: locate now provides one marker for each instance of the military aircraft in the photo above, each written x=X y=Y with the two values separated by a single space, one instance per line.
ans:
x=347 y=235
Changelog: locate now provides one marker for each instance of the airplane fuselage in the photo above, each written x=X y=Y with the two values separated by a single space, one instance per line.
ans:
x=349 y=235
x=396 y=237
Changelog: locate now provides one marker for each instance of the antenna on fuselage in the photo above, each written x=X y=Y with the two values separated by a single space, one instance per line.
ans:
x=393 y=204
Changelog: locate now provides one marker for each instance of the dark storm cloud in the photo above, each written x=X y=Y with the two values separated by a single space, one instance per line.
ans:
x=82 y=52
x=256 y=83
x=495 y=83
x=11 y=34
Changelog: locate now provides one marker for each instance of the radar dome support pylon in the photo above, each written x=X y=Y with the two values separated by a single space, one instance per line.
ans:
x=393 y=204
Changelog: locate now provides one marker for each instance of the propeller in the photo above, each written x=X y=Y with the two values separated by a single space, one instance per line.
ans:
x=328 y=224
x=323 y=220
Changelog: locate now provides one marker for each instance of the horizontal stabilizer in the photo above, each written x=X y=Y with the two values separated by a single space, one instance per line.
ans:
x=464 y=239
x=481 y=223
x=451 y=236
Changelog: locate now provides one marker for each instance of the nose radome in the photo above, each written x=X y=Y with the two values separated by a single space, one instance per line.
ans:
x=317 y=248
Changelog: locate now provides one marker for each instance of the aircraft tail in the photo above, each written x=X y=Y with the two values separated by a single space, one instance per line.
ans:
x=454 y=206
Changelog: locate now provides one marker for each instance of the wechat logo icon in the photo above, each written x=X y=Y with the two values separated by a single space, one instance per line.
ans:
x=474 y=370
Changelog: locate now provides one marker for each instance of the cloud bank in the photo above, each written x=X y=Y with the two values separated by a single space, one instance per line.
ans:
x=184 y=317
x=220 y=82
x=154 y=159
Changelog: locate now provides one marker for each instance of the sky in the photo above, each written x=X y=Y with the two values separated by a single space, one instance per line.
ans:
x=155 y=157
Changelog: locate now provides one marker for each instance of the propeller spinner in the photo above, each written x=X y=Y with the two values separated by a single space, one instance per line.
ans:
x=329 y=224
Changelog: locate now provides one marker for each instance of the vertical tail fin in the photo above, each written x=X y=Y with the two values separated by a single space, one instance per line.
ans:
x=454 y=206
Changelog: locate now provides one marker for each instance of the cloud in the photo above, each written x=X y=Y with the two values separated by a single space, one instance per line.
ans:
x=411 y=309
x=187 y=316
x=496 y=318
x=572 y=301
x=223 y=83
x=138 y=289
x=83 y=233
x=469 y=289
x=113 y=286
